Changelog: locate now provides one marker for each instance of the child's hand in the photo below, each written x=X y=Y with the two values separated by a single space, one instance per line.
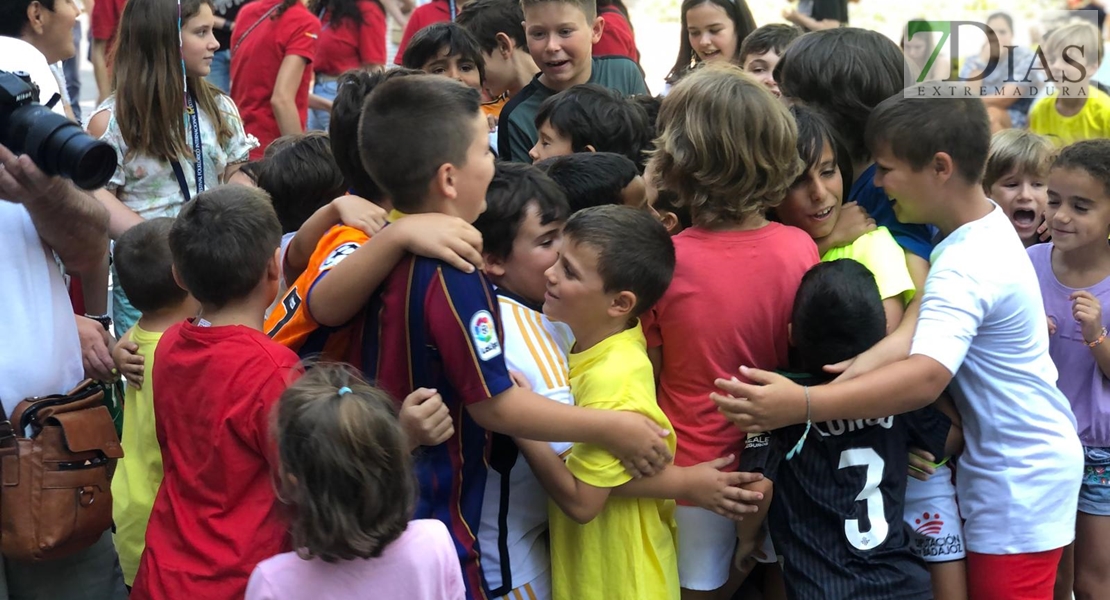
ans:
x=443 y=237
x=357 y=212
x=130 y=363
x=425 y=418
x=1051 y=325
x=1043 y=234
x=770 y=402
x=852 y=223
x=921 y=464
x=707 y=487
x=1088 y=312
x=639 y=443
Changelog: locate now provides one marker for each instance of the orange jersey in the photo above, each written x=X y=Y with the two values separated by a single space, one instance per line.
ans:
x=291 y=323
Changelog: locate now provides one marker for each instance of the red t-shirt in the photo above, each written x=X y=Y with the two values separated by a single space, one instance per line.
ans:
x=104 y=22
x=256 y=56
x=436 y=11
x=351 y=44
x=728 y=305
x=216 y=515
x=617 y=38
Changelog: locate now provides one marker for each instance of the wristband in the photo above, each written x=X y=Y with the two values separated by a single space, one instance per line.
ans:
x=104 y=320
x=797 y=449
x=1101 y=338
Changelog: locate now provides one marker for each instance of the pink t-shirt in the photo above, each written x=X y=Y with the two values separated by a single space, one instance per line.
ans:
x=728 y=305
x=419 y=565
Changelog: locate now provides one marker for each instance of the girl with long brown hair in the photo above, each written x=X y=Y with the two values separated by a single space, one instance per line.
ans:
x=175 y=134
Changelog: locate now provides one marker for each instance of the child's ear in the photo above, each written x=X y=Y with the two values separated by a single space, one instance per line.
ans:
x=669 y=221
x=495 y=267
x=622 y=304
x=943 y=166
x=590 y=148
x=443 y=184
x=273 y=270
x=598 y=27
x=505 y=45
x=177 y=278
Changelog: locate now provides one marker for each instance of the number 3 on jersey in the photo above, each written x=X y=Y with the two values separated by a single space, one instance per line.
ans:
x=867 y=457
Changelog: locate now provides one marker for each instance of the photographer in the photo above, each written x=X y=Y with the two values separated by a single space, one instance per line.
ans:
x=39 y=216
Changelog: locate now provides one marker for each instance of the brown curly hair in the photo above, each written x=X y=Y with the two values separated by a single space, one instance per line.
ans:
x=346 y=466
x=726 y=146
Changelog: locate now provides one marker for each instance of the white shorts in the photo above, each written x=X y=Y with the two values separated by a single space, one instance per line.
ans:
x=937 y=530
x=537 y=589
x=706 y=543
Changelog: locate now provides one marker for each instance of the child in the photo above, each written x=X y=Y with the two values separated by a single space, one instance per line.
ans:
x=145 y=271
x=453 y=341
x=590 y=118
x=1016 y=178
x=436 y=11
x=351 y=500
x=560 y=34
x=596 y=178
x=449 y=50
x=617 y=36
x=702 y=328
x=663 y=204
x=711 y=30
x=272 y=49
x=1076 y=110
x=215 y=516
x=982 y=329
x=614 y=264
x=497 y=26
x=837 y=315
x=1074 y=274
x=761 y=51
x=300 y=178
x=152 y=128
x=352 y=36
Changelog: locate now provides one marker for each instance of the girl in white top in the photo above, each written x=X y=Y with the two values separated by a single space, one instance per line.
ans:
x=161 y=114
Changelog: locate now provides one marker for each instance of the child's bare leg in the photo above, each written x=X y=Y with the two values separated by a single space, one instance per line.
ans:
x=1065 y=575
x=949 y=580
x=1092 y=556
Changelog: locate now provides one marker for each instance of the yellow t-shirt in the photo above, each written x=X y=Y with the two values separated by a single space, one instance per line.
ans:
x=139 y=472
x=1092 y=121
x=628 y=551
x=886 y=260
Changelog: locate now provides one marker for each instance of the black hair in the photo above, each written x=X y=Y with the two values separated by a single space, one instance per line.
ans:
x=144 y=266
x=346 y=110
x=427 y=43
x=651 y=105
x=339 y=10
x=838 y=313
x=814 y=131
x=13 y=16
x=1090 y=156
x=916 y=129
x=591 y=178
x=593 y=115
x=300 y=178
x=742 y=22
x=484 y=19
x=776 y=36
x=516 y=187
x=435 y=118
x=223 y=242
x=634 y=251
x=843 y=73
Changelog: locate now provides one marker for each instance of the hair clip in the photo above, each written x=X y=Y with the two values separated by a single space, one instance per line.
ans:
x=344 y=391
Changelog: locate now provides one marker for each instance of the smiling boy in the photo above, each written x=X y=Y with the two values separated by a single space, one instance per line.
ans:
x=561 y=34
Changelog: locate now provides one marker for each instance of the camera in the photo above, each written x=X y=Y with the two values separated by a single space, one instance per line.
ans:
x=57 y=145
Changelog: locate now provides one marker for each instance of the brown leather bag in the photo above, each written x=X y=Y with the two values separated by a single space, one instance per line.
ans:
x=55 y=491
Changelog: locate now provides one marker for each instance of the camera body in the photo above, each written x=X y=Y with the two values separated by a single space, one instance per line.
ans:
x=55 y=144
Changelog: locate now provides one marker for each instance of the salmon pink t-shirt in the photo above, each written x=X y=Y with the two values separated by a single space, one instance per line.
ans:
x=728 y=305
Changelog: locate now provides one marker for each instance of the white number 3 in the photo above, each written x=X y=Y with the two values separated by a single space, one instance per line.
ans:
x=867 y=457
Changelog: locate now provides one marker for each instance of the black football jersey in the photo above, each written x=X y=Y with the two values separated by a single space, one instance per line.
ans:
x=837 y=512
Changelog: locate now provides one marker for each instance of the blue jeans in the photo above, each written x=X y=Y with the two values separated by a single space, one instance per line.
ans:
x=319 y=119
x=91 y=573
x=72 y=69
x=220 y=75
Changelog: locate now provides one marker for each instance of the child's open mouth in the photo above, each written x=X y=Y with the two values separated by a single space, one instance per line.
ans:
x=710 y=54
x=1025 y=218
x=559 y=64
x=821 y=216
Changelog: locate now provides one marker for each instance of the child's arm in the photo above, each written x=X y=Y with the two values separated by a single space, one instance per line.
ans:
x=1088 y=311
x=396 y=12
x=579 y=501
x=339 y=296
x=128 y=360
x=703 y=485
x=352 y=211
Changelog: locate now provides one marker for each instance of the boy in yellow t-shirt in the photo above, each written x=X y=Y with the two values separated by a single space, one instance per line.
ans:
x=1077 y=110
x=144 y=265
x=614 y=537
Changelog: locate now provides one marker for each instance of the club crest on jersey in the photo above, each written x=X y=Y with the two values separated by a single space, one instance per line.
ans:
x=337 y=255
x=484 y=335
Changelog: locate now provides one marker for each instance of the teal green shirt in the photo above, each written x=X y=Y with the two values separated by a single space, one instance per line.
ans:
x=516 y=128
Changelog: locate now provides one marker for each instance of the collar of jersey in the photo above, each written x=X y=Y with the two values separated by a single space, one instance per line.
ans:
x=395 y=215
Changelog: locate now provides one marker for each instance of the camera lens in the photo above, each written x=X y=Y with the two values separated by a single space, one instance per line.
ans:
x=60 y=147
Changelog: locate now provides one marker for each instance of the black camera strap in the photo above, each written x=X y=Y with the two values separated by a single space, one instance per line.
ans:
x=193 y=113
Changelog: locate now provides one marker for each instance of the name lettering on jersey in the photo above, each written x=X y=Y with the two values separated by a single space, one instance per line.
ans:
x=484 y=335
x=841 y=426
x=337 y=255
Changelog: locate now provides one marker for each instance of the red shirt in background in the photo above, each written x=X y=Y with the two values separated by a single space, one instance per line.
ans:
x=617 y=38
x=216 y=515
x=256 y=56
x=436 y=11
x=728 y=305
x=351 y=45
x=104 y=22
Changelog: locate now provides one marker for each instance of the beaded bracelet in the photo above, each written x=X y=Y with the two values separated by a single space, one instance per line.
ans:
x=797 y=449
x=1101 y=338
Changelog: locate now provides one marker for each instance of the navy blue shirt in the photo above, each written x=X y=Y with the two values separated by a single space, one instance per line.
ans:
x=917 y=239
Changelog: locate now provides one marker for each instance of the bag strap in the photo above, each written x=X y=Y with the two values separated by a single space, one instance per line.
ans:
x=256 y=24
x=193 y=114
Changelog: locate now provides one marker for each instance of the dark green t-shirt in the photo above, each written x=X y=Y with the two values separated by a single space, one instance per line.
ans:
x=517 y=133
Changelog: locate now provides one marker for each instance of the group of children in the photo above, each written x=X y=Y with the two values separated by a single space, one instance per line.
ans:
x=556 y=408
